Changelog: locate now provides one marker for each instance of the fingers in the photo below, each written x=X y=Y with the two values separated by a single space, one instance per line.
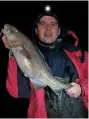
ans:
x=4 y=39
x=10 y=44
x=74 y=91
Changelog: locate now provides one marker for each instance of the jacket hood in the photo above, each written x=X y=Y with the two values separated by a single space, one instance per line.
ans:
x=69 y=36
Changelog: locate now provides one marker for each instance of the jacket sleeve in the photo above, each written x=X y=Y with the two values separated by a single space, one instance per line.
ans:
x=84 y=81
x=11 y=82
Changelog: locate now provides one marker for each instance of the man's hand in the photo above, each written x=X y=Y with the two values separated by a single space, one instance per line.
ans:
x=4 y=39
x=74 y=91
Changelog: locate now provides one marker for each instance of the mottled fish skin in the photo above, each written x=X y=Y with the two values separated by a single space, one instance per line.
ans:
x=31 y=61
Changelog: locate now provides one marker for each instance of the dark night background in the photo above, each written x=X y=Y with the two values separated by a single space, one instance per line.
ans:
x=72 y=15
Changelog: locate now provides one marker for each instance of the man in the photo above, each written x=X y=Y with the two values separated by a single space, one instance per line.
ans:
x=65 y=60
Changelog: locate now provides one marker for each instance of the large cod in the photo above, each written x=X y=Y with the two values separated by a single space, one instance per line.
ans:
x=31 y=61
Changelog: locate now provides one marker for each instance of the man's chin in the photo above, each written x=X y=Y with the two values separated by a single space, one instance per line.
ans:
x=48 y=41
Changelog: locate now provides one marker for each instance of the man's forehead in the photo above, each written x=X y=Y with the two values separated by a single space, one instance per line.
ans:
x=48 y=19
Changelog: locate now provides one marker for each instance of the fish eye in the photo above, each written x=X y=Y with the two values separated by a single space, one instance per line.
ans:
x=7 y=30
x=14 y=29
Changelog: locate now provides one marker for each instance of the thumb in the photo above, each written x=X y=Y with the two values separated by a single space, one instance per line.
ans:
x=73 y=83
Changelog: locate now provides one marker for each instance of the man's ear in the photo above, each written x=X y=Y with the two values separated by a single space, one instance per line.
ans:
x=36 y=30
x=59 y=31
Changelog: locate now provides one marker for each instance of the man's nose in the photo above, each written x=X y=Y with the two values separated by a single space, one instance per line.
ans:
x=48 y=26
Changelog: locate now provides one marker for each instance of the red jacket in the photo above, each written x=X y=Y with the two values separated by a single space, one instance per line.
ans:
x=37 y=108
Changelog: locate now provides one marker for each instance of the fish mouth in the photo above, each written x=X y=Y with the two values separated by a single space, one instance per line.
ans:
x=5 y=30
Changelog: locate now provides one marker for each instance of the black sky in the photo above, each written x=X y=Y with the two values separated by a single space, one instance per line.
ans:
x=72 y=15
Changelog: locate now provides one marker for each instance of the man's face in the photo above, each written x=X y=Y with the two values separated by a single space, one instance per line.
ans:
x=47 y=29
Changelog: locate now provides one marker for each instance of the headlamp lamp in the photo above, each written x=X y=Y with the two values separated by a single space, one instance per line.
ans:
x=47 y=8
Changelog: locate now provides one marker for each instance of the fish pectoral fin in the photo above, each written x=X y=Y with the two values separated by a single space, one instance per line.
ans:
x=37 y=84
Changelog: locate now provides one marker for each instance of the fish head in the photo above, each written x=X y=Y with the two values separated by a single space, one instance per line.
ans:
x=8 y=30
x=12 y=34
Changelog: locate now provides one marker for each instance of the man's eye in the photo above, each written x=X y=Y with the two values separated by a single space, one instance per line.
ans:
x=42 y=23
x=54 y=24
